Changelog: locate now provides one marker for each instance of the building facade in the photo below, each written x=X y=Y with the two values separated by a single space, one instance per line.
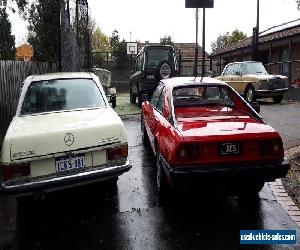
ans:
x=278 y=50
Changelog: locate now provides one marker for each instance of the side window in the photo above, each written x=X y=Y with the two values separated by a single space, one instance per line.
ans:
x=139 y=62
x=160 y=103
x=228 y=70
x=136 y=66
x=156 y=95
x=239 y=69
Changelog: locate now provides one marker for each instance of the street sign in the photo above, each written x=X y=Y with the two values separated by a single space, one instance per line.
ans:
x=199 y=3
x=132 y=48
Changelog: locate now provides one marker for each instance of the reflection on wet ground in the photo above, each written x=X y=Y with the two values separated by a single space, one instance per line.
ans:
x=127 y=215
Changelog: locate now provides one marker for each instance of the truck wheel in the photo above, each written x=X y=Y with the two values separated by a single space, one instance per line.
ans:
x=113 y=101
x=132 y=97
x=250 y=95
x=277 y=99
x=164 y=70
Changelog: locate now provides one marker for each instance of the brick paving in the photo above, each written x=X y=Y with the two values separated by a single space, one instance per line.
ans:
x=281 y=195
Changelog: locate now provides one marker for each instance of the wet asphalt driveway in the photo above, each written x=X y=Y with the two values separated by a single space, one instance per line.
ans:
x=128 y=216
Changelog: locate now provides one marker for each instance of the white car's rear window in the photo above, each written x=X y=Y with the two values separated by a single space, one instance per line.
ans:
x=61 y=94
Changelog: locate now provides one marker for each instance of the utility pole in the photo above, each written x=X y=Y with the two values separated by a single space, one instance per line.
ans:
x=255 y=40
x=196 y=46
x=203 y=44
x=59 y=36
x=257 y=31
x=88 y=37
x=199 y=4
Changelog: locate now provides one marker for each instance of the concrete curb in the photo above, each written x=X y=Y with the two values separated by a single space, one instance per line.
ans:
x=281 y=195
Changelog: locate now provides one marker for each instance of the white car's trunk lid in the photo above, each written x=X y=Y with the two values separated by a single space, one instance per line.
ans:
x=46 y=134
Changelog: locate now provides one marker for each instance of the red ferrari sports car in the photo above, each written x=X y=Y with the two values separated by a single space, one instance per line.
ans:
x=203 y=132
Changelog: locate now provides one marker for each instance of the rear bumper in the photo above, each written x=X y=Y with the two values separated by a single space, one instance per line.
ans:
x=270 y=93
x=63 y=181
x=226 y=173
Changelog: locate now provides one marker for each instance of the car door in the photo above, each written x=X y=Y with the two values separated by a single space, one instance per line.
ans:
x=151 y=117
x=234 y=77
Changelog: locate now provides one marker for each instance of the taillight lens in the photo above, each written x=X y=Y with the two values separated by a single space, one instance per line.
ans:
x=117 y=153
x=15 y=171
x=188 y=152
x=271 y=147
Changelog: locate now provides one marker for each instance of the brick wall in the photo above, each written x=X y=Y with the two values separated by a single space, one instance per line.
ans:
x=295 y=65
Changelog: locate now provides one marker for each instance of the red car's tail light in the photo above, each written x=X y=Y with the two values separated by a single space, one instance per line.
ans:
x=188 y=152
x=117 y=153
x=14 y=171
x=271 y=147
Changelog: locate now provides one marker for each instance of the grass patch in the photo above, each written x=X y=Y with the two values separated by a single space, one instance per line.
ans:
x=124 y=107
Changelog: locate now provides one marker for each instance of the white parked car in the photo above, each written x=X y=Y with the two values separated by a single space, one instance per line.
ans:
x=64 y=133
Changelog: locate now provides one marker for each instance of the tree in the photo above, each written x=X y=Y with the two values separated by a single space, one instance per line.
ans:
x=7 y=40
x=21 y=4
x=298 y=4
x=119 y=50
x=167 y=40
x=100 y=46
x=100 y=41
x=44 y=30
x=226 y=39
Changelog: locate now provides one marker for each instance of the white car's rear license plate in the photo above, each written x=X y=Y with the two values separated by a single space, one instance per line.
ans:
x=65 y=163
x=230 y=148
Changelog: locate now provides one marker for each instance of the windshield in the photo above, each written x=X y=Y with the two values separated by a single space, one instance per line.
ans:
x=201 y=96
x=61 y=94
x=156 y=56
x=254 y=68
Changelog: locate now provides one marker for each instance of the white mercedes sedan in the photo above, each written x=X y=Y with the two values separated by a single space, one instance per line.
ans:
x=64 y=134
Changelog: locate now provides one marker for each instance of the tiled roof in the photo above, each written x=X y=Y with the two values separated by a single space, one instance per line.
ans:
x=262 y=39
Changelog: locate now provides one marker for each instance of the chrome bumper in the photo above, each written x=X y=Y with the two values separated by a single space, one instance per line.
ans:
x=265 y=92
x=63 y=181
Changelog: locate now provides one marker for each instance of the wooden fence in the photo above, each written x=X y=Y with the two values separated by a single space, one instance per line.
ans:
x=12 y=75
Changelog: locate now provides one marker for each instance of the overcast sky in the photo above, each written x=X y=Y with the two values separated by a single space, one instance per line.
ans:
x=152 y=19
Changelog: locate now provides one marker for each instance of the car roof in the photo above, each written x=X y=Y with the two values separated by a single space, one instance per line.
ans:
x=183 y=81
x=59 y=75
x=148 y=47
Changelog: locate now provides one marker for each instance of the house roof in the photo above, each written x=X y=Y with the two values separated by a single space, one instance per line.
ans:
x=24 y=50
x=265 y=36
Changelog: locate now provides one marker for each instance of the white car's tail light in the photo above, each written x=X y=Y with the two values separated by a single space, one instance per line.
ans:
x=15 y=171
x=117 y=153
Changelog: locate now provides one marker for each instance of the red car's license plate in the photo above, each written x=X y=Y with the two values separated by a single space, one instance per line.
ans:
x=231 y=148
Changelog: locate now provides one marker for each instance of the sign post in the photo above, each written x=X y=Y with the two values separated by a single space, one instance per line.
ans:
x=132 y=49
x=199 y=4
